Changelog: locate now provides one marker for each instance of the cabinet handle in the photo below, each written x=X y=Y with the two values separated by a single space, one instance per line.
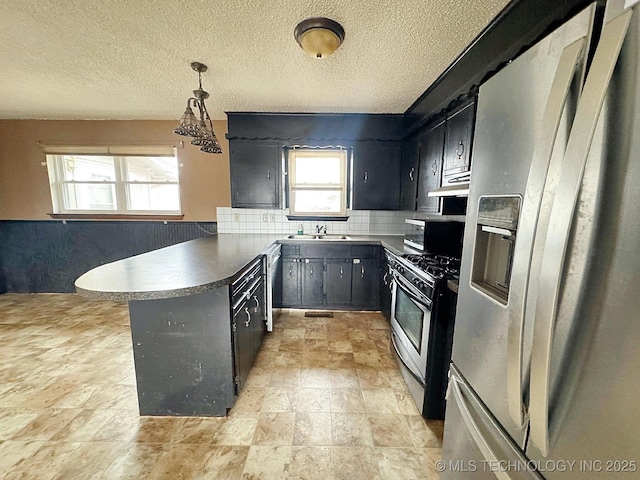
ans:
x=434 y=168
x=248 y=321
x=366 y=177
x=411 y=173
x=290 y=272
x=311 y=274
x=460 y=149
x=269 y=174
x=362 y=271
x=255 y=298
x=341 y=272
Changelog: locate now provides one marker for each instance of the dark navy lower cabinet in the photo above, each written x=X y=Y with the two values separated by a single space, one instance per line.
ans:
x=248 y=299
x=193 y=354
x=242 y=345
x=385 y=290
x=338 y=282
x=312 y=282
x=184 y=354
x=290 y=282
x=365 y=283
x=331 y=276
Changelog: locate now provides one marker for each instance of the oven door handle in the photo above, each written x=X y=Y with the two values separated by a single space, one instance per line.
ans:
x=411 y=291
x=402 y=352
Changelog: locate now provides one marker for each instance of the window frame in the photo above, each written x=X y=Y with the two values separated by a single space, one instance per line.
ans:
x=342 y=187
x=122 y=194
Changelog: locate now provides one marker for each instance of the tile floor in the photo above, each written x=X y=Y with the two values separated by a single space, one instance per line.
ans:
x=324 y=400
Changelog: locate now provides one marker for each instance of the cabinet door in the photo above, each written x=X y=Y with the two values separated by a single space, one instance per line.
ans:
x=365 y=283
x=243 y=350
x=385 y=291
x=431 y=148
x=312 y=281
x=376 y=176
x=457 y=151
x=338 y=282
x=257 y=309
x=409 y=175
x=255 y=174
x=290 y=282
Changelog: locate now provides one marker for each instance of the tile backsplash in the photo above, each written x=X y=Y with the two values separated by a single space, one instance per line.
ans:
x=363 y=222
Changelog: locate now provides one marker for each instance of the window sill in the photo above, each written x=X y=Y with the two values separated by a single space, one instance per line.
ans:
x=113 y=216
x=320 y=218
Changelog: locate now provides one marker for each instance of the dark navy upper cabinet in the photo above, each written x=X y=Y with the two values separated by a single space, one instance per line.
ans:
x=409 y=175
x=431 y=151
x=456 y=166
x=255 y=168
x=376 y=175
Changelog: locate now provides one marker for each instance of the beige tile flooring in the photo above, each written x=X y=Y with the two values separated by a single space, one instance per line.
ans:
x=324 y=400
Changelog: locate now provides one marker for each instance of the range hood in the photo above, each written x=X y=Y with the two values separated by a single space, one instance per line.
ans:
x=451 y=190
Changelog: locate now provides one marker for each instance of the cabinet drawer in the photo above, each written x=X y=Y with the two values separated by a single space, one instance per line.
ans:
x=246 y=278
x=364 y=251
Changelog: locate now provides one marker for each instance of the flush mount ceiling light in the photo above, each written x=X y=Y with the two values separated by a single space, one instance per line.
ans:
x=319 y=36
x=200 y=130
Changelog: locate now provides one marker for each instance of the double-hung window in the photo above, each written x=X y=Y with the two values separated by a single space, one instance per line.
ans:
x=317 y=182
x=134 y=181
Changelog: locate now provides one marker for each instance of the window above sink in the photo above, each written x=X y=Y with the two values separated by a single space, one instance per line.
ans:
x=317 y=182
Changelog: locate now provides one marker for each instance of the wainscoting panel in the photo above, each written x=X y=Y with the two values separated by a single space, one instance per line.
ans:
x=46 y=256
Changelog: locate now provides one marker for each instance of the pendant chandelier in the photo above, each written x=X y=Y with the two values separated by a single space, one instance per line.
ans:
x=201 y=130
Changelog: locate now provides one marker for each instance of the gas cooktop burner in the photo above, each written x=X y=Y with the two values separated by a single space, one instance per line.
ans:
x=437 y=266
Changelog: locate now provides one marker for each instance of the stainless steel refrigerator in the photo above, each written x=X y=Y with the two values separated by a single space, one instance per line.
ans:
x=545 y=376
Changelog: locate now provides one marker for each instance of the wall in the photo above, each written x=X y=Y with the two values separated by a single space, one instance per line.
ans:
x=38 y=254
x=24 y=182
x=46 y=256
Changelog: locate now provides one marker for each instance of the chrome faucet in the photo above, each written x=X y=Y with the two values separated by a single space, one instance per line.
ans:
x=321 y=229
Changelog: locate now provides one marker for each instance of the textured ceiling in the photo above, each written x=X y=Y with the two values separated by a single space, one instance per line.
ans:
x=129 y=59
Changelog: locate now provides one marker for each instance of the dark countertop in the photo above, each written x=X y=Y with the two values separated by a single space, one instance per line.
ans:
x=452 y=284
x=195 y=266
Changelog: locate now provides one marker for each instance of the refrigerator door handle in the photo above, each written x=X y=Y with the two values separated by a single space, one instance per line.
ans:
x=500 y=231
x=523 y=250
x=561 y=219
x=478 y=437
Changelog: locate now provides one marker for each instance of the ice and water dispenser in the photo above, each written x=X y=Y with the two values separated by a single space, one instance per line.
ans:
x=496 y=230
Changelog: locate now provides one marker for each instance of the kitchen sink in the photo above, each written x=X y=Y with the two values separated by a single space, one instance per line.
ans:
x=326 y=236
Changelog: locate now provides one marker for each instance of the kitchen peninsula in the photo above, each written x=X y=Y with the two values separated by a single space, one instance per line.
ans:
x=181 y=312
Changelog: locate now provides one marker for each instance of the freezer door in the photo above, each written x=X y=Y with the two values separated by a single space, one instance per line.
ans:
x=585 y=363
x=475 y=447
x=510 y=123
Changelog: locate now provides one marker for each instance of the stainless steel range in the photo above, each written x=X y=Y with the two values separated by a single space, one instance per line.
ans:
x=420 y=331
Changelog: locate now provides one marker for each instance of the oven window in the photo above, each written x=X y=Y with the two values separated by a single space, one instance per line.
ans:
x=410 y=317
